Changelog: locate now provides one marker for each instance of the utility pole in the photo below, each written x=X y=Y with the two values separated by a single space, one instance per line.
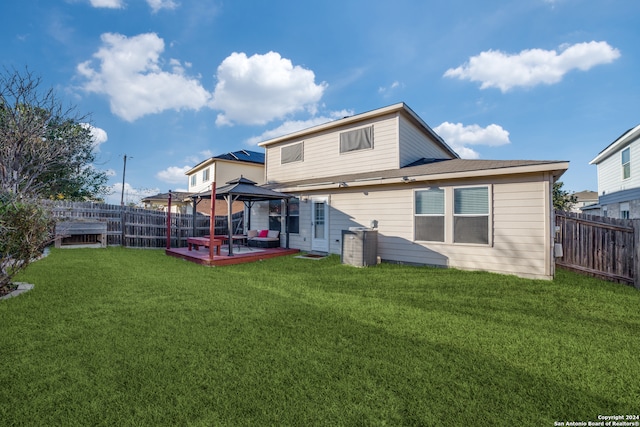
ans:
x=123 y=236
x=124 y=171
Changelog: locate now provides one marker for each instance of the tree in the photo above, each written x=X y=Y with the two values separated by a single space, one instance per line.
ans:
x=45 y=148
x=562 y=200
x=46 y=151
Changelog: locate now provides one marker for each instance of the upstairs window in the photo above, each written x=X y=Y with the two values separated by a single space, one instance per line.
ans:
x=626 y=163
x=194 y=180
x=471 y=215
x=429 y=215
x=205 y=175
x=354 y=140
x=291 y=153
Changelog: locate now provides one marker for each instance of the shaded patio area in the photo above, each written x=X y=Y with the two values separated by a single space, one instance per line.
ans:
x=243 y=190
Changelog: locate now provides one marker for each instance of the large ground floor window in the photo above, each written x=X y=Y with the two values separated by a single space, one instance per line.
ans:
x=453 y=215
x=277 y=215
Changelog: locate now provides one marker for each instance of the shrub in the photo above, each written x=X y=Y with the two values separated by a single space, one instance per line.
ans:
x=26 y=228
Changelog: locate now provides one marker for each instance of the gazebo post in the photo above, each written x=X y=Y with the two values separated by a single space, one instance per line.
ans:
x=194 y=213
x=212 y=221
x=230 y=201
x=169 y=221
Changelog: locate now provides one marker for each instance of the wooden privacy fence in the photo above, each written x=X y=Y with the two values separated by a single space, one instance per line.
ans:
x=599 y=246
x=143 y=228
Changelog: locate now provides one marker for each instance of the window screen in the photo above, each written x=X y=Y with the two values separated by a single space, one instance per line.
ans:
x=429 y=215
x=471 y=215
x=291 y=153
x=358 y=139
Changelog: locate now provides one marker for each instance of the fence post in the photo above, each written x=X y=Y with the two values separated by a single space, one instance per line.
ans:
x=636 y=253
x=122 y=227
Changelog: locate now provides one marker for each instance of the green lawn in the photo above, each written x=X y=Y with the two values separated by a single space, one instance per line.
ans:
x=133 y=337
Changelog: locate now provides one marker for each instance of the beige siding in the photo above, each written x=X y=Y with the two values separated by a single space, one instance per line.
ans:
x=520 y=231
x=322 y=157
x=415 y=145
x=228 y=171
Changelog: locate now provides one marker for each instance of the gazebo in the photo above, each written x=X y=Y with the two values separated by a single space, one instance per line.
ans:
x=240 y=189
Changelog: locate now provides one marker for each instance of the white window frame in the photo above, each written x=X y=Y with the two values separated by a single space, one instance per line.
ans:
x=489 y=214
x=194 y=179
x=205 y=175
x=443 y=215
x=626 y=166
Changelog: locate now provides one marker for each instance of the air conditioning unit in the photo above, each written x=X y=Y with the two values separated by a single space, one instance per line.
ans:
x=359 y=246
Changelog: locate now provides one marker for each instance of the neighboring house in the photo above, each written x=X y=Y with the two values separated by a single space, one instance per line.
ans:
x=180 y=202
x=222 y=169
x=219 y=169
x=583 y=199
x=387 y=169
x=619 y=177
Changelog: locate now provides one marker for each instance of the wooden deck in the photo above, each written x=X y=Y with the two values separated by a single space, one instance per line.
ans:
x=240 y=255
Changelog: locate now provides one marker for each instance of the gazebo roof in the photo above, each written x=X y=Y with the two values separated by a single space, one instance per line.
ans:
x=244 y=190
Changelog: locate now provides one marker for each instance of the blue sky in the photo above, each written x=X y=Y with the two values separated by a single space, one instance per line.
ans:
x=170 y=83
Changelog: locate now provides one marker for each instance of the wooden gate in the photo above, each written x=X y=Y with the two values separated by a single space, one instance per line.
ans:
x=600 y=246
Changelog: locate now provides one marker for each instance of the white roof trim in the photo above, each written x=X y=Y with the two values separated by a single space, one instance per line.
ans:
x=616 y=145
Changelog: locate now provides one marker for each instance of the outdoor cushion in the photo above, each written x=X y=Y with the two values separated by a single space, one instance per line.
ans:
x=273 y=233
x=263 y=233
x=252 y=233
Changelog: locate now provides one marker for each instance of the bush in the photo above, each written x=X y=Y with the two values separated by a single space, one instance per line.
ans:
x=26 y=228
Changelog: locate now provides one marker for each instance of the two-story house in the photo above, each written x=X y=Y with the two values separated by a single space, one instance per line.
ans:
x=222 y=169
x=618 y=178
x=389 y=170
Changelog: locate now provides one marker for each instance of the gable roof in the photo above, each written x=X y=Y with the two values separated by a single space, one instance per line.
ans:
x=623 y=140
x=430 y=171
x=246 y=156
x=400 y=108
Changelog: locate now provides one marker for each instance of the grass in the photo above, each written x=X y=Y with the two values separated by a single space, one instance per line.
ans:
x=132 y=337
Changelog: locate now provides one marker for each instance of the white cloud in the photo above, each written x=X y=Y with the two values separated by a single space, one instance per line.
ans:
x=109 y=4
x=459 y=137
x=296 y=125
x=157 y=5
x=174 y=174
x=533 y=66
x=388 y=90
x=130 y=195
x=255 y=90
x=98 y=135
x=129 y=73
